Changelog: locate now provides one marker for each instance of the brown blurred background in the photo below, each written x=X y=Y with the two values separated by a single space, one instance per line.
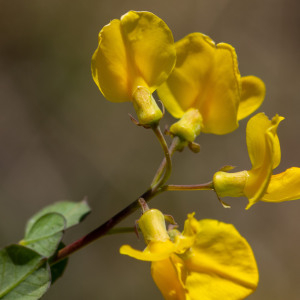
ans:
x=61 y=140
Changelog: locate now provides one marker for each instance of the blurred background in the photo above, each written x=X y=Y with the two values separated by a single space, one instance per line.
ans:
x=61 y=140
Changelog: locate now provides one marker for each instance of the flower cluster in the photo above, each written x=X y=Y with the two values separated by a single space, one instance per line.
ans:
x=199 y=83
x=209 y=260
x=197 y=80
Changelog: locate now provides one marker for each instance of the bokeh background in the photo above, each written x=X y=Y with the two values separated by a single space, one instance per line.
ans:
x=61 y=140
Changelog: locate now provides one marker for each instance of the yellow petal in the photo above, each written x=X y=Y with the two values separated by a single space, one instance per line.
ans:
x=284 y=186
x=259 y=131
x=109 y=68
x=206 y=77
x=191 y=225
x=221 y=264
x=208 y=287
x=264 y=151
x=137 y=50
x=253 y=94
x=155 y=251
x=167 y=276
x=256 y=186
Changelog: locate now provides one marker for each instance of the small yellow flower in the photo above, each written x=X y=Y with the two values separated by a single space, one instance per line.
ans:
x=209 y=260
x=259 y=183
x=134 y=56
x=206 y=79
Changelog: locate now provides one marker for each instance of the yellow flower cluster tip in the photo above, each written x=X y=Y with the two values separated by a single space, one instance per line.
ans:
x=209 y=260
x=197 y=80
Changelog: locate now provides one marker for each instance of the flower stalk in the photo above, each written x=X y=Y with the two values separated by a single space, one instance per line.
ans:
x=191 y=187
x=104 y=228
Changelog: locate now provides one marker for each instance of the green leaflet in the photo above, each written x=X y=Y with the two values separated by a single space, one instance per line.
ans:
x=24 y=274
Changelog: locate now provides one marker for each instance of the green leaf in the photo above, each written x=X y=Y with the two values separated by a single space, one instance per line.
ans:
x=45 y=234
x=58 y=268
x=74 y=212
x=24 y=274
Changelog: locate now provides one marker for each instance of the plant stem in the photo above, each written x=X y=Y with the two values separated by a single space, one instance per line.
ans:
x=173 y=147
x=104 y=228
x=167 y=159
x=121 y=230
x=192 y=187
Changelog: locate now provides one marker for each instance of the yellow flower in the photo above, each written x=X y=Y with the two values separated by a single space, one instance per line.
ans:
x=209 y=260
x=134 y=56
x=206 y=80
x=259 y=183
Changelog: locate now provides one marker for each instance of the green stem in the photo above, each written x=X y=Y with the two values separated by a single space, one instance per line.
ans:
x=176 y=142
x=192 y=187
x=161 y=179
